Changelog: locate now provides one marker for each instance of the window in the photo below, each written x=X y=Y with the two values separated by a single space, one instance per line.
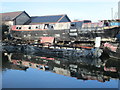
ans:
x=46 y=26
x=37 y=27
x=106 y=24
x=72 y=25
x=29 y=28
x=51 y=26
x=30 y=64
x=19 y=27
x=16 y=27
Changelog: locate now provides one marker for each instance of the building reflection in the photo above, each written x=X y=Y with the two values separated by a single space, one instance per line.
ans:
x=80 y=68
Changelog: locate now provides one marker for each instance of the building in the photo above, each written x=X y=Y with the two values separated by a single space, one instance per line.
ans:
x=15 y=18
x=119 y=10
x=49 y=19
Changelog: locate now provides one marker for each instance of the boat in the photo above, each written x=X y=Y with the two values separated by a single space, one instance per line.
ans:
x=57 y=52
x=72 y=34
x=67 y=32
x=112 y=49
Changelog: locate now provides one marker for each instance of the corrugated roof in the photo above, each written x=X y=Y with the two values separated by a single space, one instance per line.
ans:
x=50 y=18
x=10 y=15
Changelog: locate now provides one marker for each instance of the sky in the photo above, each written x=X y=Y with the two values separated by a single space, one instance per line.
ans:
x=75 y=9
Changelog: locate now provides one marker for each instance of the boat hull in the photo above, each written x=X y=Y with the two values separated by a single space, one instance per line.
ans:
x=66 y=35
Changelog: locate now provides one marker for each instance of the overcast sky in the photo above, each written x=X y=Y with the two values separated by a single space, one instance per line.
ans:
x=75 y=9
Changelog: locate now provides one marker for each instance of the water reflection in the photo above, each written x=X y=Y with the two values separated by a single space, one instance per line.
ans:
x=80 y=68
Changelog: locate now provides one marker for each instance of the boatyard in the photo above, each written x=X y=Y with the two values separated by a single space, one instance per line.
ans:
x=59 y=52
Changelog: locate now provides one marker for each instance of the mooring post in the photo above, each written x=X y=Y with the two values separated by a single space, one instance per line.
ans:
x=97 y=47
x=97 y=42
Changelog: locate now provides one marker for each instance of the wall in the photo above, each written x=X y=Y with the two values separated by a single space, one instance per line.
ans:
x=22 y=19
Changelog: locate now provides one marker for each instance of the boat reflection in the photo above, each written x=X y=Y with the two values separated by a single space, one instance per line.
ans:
x=80 y=68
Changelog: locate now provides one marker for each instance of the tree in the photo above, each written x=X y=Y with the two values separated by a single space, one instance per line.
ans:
x=4 y=29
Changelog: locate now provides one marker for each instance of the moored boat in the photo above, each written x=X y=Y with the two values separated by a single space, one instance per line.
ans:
x=68 y=31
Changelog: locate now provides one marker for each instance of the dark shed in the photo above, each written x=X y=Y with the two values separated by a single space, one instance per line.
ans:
x=15 y=18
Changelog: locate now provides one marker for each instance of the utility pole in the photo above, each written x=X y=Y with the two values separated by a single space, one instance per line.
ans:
x=112 y=13
x=119 y=10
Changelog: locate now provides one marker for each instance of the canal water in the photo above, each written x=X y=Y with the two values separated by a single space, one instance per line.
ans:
x=24 y=70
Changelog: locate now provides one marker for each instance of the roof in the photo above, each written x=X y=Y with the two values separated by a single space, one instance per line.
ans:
x=9 y=16
x=49 y=19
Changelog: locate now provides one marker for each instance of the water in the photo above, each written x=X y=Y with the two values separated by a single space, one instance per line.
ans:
x=22 y=70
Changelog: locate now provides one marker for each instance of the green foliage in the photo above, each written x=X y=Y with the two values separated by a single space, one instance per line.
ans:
x=5 y=28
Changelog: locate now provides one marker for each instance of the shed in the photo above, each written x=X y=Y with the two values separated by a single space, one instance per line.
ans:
x=15 y=18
